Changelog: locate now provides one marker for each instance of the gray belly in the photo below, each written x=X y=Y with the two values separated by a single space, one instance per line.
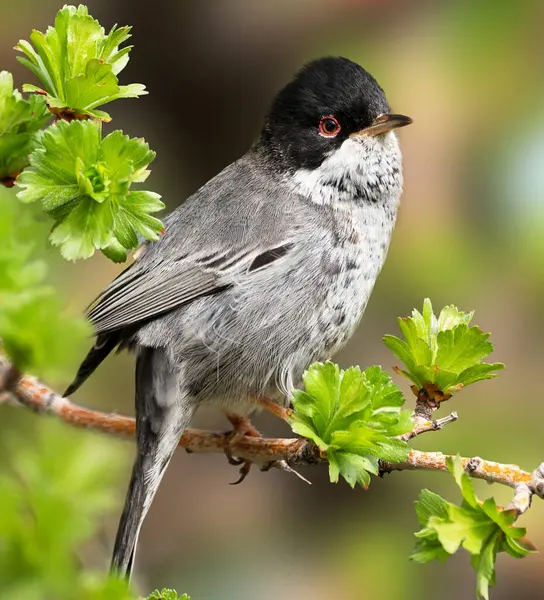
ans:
x=259 y=339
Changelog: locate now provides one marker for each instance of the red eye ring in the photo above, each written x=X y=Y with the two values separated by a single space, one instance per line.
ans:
x=329 y=126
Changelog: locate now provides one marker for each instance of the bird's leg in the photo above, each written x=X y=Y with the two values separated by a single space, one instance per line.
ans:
x=241 y=426
x=273 y=407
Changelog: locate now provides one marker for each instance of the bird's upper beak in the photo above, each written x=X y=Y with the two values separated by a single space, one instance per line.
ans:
x=383 y=124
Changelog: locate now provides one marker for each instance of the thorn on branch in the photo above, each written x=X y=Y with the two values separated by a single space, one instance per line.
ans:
x=283 y=465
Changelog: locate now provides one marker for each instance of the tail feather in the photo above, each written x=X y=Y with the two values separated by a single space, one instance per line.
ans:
x=104 y=344
x=161 y=417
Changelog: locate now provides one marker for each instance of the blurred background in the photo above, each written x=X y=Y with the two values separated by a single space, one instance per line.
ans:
x=470 y=232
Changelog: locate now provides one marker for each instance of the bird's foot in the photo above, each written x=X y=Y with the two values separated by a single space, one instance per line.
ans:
x=241 y=426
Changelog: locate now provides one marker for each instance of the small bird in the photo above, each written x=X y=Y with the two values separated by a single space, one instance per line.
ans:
x=264 y=270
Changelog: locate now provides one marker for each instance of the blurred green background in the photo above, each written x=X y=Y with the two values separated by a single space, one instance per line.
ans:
x=470 y=232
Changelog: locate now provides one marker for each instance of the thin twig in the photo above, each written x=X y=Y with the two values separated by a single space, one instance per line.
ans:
x=294 y=452
x=423 y=425
x=492 y=472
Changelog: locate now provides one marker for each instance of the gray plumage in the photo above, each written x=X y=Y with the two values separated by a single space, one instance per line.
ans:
x=264 y=270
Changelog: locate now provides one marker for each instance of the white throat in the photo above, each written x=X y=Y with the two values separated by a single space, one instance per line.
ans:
x=363 y=170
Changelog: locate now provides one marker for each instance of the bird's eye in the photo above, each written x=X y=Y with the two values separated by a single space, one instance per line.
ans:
x=329 y=126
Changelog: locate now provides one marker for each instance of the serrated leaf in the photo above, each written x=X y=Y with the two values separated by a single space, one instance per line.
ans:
x=353 y=467
x=462 y=347
x=354 y=417
x=78 y=64
x=20 y=123
x=87 y=227
x=442 y=354
x=84 y=183
x=430 y=505
x=306 y=431
x=484 y=565
x=481 y=528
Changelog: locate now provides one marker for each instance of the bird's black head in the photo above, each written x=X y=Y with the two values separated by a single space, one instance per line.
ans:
x=329 y=100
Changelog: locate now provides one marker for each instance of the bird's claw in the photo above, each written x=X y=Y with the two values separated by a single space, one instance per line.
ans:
x=244 y=472
x=241 y=427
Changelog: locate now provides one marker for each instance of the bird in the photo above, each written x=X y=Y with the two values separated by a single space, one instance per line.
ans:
x=264 y=270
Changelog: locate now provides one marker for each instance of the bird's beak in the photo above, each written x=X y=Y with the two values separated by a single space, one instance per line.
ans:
x=383 y=124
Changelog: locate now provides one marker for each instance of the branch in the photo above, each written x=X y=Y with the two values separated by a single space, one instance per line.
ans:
x=288 y=452
x=423 y=425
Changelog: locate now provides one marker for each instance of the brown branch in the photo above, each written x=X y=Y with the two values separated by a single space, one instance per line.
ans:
x=423 y=425
x=287 y=452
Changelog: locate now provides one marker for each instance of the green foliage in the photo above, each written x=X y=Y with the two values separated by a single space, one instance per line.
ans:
x=167 y=595
x=442 y=354
x=481 y=528
x=78 y=64
x=353 y=416
x=34 y=331
x=20 y=120
x=54 y=492
x=84 y=181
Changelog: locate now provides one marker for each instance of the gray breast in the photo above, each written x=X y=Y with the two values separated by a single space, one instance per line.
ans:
x=360 y=243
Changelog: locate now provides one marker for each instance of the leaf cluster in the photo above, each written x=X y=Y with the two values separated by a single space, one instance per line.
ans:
x=34 y=330
x=77 y=63
x=20 y=122
x=54 y=493
x=84 y=183
x=481 y=528
x=442 y=354
x=167 y=595
x=354 y=417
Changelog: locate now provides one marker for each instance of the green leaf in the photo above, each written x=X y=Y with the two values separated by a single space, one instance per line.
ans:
x=35 y=332
x=78 y=63
x=55 y=496
x=167 y=595
x=53 y=175
x=484 y=565
x=430 y=505
x=84 y=183
x=20 y=124
x=87 y=227
x=482 y=529
x=442 y=354
x=354 y=417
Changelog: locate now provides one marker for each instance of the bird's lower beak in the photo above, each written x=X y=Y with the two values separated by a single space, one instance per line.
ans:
x=383 y=124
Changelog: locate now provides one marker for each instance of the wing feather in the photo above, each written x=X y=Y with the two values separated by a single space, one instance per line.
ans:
x=144 y=291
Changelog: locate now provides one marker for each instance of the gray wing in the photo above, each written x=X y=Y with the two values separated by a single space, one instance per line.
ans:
x=234 y=225
x=141 y=294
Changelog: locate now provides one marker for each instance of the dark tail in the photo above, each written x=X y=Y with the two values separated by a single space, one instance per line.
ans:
x=162 y=414
x=104 y=344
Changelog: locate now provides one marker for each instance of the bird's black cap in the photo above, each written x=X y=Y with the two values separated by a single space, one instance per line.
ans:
x=331 y=86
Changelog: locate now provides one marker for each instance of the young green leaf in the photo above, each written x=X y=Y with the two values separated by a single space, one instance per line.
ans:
x=354 y=417
x=167 y=595
x=482 y=529
x=77 y=64
x=34 y=331
x=84 y=183
x=20 y=122
x=442 y=354
x=55 y=495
